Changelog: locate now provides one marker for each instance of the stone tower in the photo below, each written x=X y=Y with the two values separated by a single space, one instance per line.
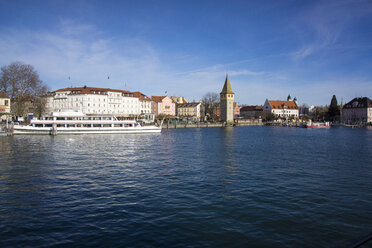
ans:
x=227 y=102
x=295 y=100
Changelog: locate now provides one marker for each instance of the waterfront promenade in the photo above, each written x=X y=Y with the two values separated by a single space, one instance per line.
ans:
x=206 y=125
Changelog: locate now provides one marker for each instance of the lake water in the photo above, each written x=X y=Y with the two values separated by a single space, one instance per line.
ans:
x=212 y=187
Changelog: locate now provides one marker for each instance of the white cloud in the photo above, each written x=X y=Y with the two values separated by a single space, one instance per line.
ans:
x=84 y=54
x=322 y=25
x=87 y=60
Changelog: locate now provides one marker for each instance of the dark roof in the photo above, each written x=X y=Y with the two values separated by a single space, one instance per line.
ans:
x=189 y=104
x=359 y=102
x=252 y=108
x=227 y=87
x=3 y=94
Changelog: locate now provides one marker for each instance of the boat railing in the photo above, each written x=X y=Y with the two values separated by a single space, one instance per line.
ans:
x=162 y=121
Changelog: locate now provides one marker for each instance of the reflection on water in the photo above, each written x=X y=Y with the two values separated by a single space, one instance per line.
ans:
x=214 y=187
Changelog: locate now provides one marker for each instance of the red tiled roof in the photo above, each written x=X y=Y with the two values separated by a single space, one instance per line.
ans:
x=158 y=98
x=141 y=96
x=281 y=104
x=3 y=94
x=88 y=90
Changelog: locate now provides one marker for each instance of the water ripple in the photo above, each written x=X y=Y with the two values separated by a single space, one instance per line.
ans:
x=235 y=187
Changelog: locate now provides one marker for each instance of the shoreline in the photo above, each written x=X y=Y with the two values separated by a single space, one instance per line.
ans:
x=208 y=125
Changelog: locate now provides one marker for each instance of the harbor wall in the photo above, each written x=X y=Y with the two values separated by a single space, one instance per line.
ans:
x=206 y=125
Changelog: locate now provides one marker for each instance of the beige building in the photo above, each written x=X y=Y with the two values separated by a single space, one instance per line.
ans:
x=357 y=111
x=192 y=111
x=4 y=105
x=179 y=100
x=227 y=102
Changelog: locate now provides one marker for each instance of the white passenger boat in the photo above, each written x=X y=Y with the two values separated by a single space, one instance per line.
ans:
x=316 y=125
x=78 y=123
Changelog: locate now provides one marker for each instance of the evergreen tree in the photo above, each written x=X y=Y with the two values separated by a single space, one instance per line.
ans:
x=333 y=110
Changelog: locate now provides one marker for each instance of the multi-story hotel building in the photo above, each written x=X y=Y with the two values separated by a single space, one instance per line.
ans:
x=90 y=100
x=145 y=106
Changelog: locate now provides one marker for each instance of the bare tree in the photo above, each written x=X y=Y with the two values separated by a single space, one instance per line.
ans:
x=22 y=83
x=319 y=113
x=211 y=100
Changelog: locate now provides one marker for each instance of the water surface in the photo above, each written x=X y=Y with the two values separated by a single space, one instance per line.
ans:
x=212 y=187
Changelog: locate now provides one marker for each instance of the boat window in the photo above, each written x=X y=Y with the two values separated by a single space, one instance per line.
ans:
x=96 y=125
x=86 y=125
x=48 y=125
x=60 y=118
x=106 y=125
x=117 y=125
x=60 y=125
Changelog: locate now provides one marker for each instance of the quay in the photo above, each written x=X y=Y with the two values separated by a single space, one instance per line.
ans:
x=206 y=124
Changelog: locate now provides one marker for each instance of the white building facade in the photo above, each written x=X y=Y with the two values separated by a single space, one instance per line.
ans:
x=93 y=101
x=145 y=107
x=283 y=109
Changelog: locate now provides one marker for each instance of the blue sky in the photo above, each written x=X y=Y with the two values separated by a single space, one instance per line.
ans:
x=309 y=49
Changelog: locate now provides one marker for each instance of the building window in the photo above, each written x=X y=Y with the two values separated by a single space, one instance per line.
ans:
x=6 y=102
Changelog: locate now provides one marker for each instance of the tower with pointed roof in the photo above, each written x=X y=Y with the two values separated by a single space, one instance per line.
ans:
x=227 y=102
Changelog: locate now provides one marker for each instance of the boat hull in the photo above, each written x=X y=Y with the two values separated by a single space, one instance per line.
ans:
x=317 y=126
x=82 y=130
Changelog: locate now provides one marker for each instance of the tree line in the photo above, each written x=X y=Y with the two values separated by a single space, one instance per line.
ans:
x=21 y=82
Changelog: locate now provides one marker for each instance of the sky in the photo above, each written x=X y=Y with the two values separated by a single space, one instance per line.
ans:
x=269 y=49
